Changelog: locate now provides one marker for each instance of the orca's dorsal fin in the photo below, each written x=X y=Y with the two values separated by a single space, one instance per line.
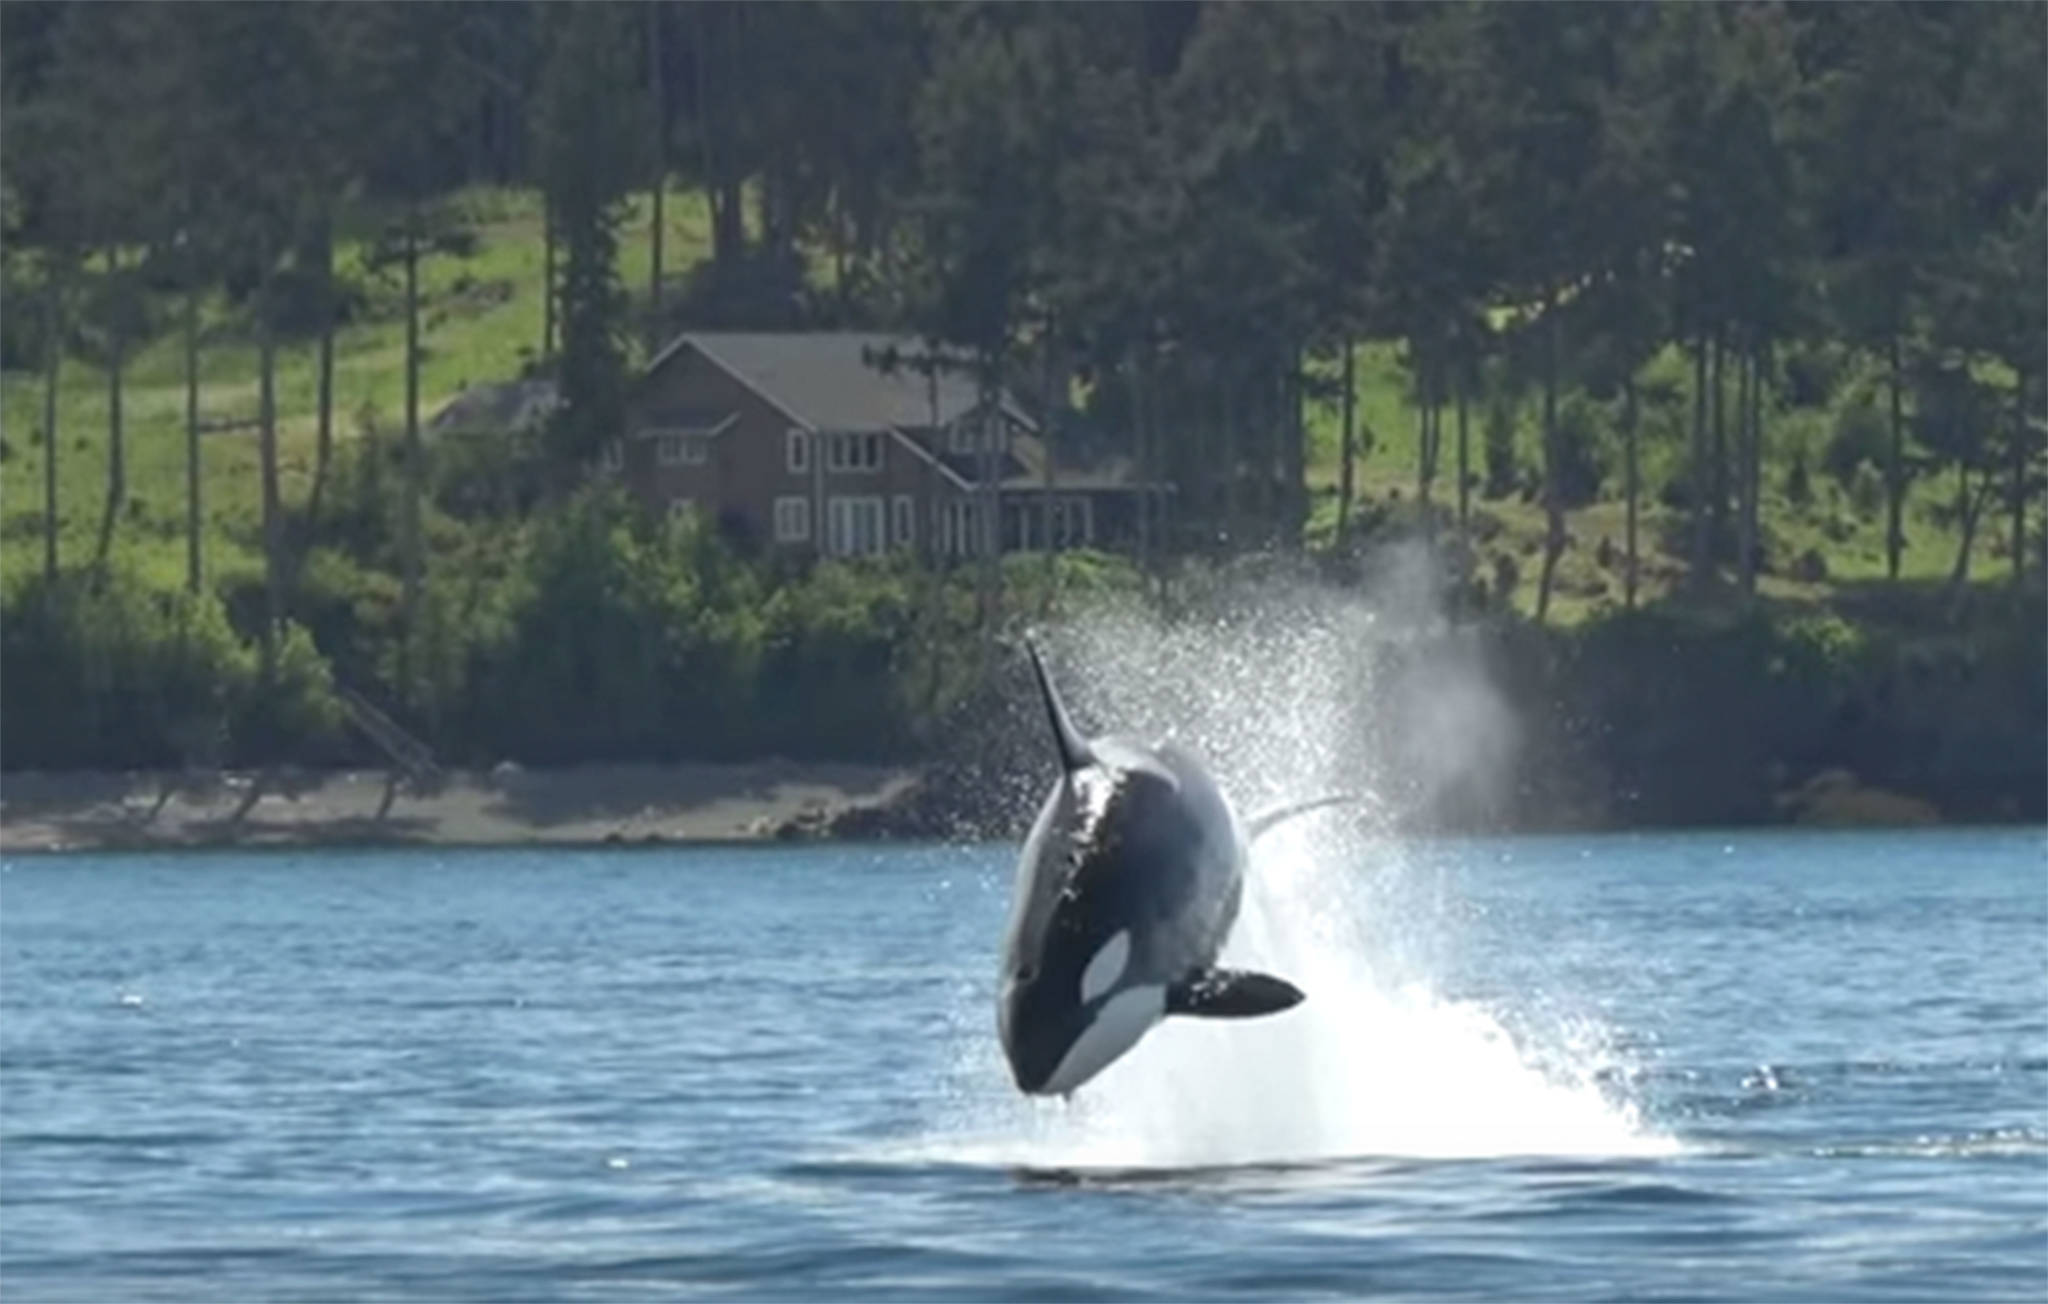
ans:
x=1074 y=752
x=1264 y=821
x=1231 y=994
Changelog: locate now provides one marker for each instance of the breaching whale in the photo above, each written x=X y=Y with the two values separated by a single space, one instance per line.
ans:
x=1126 y=888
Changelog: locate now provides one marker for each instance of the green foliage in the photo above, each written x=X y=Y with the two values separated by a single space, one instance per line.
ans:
x=112 y=673
x=1193 y=196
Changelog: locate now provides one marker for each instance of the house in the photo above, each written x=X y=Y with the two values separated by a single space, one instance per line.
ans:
x=496 y=407
x=840 y=443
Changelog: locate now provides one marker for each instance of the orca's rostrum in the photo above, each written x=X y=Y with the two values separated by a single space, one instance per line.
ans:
x=1126 y=889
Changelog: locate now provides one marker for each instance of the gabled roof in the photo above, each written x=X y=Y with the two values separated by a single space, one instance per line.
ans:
x=832 y=380
x=497 y=406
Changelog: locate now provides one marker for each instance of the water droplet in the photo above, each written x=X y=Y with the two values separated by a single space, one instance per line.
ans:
x=617 y=1161
x=131 y=1000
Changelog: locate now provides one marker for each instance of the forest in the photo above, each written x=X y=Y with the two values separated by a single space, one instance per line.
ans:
x=1698 y=345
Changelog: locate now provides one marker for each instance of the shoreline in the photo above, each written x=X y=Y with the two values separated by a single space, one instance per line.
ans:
x=687 y=804
x=587 y=805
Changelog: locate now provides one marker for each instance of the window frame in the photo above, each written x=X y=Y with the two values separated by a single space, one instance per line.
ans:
x=845 y=516
x=903 y=521
x=853 y=452
x=689 y=448
x=795 y=508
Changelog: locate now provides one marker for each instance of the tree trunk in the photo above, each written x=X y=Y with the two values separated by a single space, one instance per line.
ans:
x=1423 y=404
x=988 y=490
x=1757 y=361
x=1717 y=487
x=1050 y=404
x=1143 y=455
x=1346 y=453
x=53 y=355
x=323 y=447
x=1631 y=490
x=2018 y=505
x=1745 y=541
x=1894 y=479
x=411 y=597
x=1969 y=510
x=1228 y=460
x=193 y=559
x=1464 y=457
x=713 y=122
x=1294 y=454
x=660 y=103
x=1553 y=508
x=266 y=444
x=654 y=326
x=842 y=248
x=1702 y=554
x=773 y=189
x=117 y=462
x=547 y=277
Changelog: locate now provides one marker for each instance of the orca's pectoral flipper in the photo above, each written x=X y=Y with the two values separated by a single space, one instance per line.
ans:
x=1231 y=994
x=1264 y=821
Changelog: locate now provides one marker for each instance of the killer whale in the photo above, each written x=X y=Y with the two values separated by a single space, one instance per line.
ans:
x=1126 y=888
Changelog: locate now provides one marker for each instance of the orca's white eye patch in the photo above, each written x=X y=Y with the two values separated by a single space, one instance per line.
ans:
x=1106 y=967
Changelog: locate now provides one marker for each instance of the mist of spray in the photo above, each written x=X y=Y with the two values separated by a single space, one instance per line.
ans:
x=1296 y=690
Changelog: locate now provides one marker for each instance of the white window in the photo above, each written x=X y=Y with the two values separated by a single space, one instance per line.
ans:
x=903 y=521
x=1070 y=522
x=855 y=526
x=853 y=451
x=796 y=446
x=612 y=457
x=792 y=520
x=956 y=527
x=681 y=508
x=683 y=450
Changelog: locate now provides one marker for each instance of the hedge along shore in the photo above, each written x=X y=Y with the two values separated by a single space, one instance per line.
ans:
x=591 y=804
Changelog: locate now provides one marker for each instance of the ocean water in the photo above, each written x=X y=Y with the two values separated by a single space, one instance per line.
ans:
x=1704 y=1066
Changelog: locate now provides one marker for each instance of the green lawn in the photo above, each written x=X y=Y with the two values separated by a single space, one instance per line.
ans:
x=1851 y=544
x=481 y=319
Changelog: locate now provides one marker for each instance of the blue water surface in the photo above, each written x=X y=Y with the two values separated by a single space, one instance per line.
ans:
x=1815 y=1068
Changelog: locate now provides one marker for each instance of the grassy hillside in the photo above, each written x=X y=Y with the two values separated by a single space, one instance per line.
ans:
x=482 y=319
x=1846 y=530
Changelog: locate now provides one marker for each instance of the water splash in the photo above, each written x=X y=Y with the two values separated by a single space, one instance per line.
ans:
x=1300 y=691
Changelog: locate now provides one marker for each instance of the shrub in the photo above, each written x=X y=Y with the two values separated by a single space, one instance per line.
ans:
x=112 y=674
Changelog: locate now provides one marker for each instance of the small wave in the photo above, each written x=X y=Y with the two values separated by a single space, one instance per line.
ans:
x=115 y=1140
x=1995 y=1142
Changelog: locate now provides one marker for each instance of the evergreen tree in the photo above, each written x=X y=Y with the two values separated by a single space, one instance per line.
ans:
x=590 y=150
